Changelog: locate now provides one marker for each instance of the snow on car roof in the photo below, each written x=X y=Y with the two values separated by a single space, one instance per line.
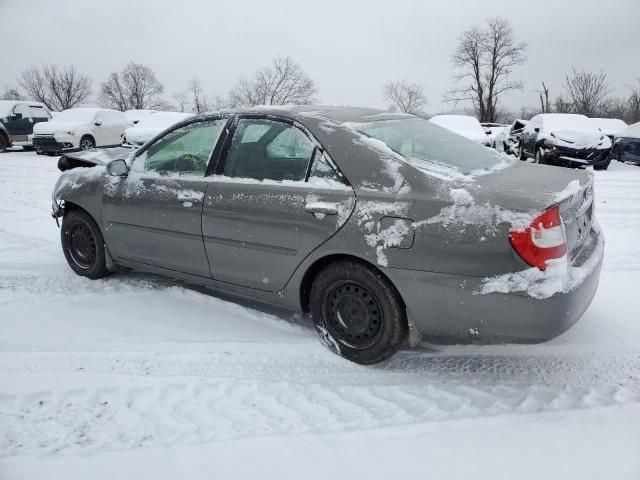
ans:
x=163 y=119
x=79 y=114
x=457 y=122
x=567 y=121
x=632 y=131
x=6 y=106
x=609 y=126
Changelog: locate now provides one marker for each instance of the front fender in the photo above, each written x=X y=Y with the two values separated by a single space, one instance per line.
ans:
x=81 y=187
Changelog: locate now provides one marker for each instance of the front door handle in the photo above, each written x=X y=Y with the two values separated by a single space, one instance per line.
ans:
x=326 y=208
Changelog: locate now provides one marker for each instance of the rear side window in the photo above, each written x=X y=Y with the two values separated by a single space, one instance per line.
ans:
x=268 y=150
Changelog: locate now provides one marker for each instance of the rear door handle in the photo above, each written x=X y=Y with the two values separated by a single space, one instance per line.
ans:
x=326 y=208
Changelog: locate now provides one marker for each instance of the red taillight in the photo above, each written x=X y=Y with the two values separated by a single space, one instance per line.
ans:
x=542 y=241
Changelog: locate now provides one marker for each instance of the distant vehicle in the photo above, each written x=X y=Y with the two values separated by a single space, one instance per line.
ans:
x=626 y=145
x=565 y=139
x=373 y=222
x=492 y=130
x=80 y=128
x=463 y=125
x=17 y=119
x=609 y=126
x=150 y=126
x=508 y=139
x=135 y=116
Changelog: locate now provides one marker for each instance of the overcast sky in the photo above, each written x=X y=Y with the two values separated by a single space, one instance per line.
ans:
x=350 y=48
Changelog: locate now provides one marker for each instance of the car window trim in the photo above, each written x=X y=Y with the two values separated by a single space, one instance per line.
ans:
x=232 y=125
x=184 y=123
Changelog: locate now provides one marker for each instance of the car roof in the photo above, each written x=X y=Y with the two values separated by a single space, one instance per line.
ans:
x=11 y=103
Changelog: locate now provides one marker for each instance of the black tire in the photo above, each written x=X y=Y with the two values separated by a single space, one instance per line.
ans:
x=521 y=155
x=83 y=244
x=358 y=313
x=617 y=155
x=539 y=158
x=87 y=142
x=28 y=148
x=4 y=143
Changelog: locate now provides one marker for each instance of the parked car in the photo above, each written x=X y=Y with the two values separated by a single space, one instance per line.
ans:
x=17 y=119
x=609 y=126
x=80 y=128
x=135 y=116
x=150 y=126
x=626 y=145
x=464 y=125
x=383 y=226
x=492 y=130
x=508 y=139
x=565 y=139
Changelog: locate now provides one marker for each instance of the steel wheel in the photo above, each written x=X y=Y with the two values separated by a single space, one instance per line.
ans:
x=87 y=143
x=82 y=245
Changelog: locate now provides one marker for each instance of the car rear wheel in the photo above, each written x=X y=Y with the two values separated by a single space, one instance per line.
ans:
x=358 y=313
x=539 y=158
x=521 y=153
x=3 y=143
x=83 y=245
x=87 y=143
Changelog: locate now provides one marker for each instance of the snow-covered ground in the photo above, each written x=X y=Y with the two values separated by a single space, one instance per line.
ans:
x=137 y=376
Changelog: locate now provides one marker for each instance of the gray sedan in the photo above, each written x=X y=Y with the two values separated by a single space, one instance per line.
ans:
x=384 y=227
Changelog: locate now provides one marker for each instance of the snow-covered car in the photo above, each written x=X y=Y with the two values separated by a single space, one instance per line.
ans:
x=383 y=226
x=80 y=128
x=464 y=125
x=609 y=126
x=492 y=130
x=565 y=139
x=135 y=116
x=626 y=145
x=508 y=139
x=150 y=126
x=17 y=119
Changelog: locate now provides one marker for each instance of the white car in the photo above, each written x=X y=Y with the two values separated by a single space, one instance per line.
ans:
x=493 y=130
x=135 y=116
x=80 y=128
x=151 y=126
x=609 y=126
x=464 y=125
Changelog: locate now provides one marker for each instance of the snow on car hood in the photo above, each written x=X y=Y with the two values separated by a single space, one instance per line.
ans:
x=51 y=127
x=579 y=138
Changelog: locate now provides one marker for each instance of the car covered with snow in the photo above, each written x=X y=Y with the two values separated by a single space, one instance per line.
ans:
x=492 y=130
x=80 y=129
x=609 y=126
x=150 y=126
x=565 y=139
x=626 y=145
x=465 y=125
x=384 y=227
x=17 y=119
x=508 y=139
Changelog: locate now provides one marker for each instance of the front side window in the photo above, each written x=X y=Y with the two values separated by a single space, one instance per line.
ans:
x=268 y=150
x=183 y=151
x=22 y=109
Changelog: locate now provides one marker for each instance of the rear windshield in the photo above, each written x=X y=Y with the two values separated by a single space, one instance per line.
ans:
x=418 y=139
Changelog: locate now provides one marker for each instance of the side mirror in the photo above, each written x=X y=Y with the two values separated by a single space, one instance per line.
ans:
x=118 y=168
x=537 y=129
x=97 y=123
x=16 y=116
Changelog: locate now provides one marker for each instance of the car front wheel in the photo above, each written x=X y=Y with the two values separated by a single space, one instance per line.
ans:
x=83 y=245
x=358 y=313
x=539 y=158
x=87 y=143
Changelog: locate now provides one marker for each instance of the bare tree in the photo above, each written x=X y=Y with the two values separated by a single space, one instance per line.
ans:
x=560 y=105
x=544 y=99
x=135 y=87
x=485 y=58
x=633 y=104
x=181 y=100
x=588 y=91
x=408 y=97
x=199 y=101
x=283 y=82
x=11 y=93
x=58 y=88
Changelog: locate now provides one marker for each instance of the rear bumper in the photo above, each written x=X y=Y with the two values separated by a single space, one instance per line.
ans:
x=451 y=309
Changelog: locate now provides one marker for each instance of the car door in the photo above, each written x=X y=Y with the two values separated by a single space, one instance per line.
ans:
x=153 y=215
x=20 y=124
x=104 y=129
x=276 y=197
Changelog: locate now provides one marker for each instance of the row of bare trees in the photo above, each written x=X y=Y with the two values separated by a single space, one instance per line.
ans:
x=136 y=87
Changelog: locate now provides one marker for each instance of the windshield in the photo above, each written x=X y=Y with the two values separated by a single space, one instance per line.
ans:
x=6 y=107
x=76 y=115
x=418 y=139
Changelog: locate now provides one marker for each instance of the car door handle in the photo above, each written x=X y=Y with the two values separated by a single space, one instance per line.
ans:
x=322 y=207
x=188 y=198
